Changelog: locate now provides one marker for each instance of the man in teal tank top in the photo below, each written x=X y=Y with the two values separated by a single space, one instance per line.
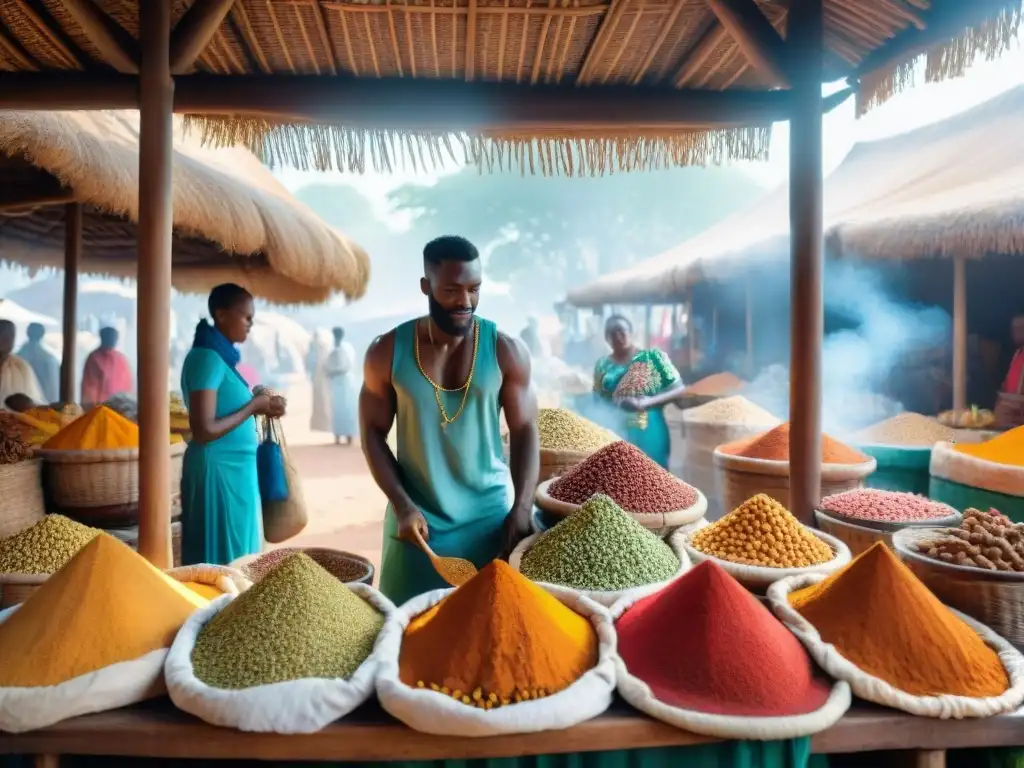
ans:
x=442 y=381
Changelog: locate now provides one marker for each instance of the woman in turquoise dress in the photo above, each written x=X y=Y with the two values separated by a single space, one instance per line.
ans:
x=641 y=419
x=220 y=495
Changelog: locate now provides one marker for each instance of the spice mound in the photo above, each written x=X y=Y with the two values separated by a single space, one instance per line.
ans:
x=986 y=540
x=341 y=566
x=911 y=430
x=599 y=547
x=884 y=506
x=774 y=446
x=633 y=481
x=100 y=429
x=298 y=622
x=1006 y=449
x=705 y=643
x=498 y=639
x=716 y=384
x=731 y=410
x=880 y=617
x=45 y=547
x=762 y=532
x=107 y=605
x=562 y=430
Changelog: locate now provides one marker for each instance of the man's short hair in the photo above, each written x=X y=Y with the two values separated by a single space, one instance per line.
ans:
x=449 y=248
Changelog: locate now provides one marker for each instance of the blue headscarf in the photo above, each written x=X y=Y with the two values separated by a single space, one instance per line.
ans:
x=208 y=337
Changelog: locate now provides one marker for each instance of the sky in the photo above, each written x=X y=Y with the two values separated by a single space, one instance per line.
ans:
x=915 y=107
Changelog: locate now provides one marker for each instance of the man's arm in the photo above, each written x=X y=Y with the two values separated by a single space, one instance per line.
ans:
x=519 y=402
x=376 y=416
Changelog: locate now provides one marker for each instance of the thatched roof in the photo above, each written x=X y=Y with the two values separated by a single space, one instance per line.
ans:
x=233 y=221
x=660 y=44
x=952 y=188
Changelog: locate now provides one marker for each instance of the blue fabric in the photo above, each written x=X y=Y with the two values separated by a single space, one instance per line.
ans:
x=46 y=368
x=270 y=471
x=653 y=438
x=220 y=494
x=208 y=337
x=344 y=406
x=455 y=475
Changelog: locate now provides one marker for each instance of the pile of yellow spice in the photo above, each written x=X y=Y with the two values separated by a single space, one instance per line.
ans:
x=762 y=532
x=1007 y=449
x=101 y=429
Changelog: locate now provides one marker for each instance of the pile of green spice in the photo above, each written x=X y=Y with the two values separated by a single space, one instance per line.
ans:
x=601 y=548
x=45 y=547
x=298 y=622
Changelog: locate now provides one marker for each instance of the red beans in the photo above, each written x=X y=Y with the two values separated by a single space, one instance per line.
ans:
x=884 y=506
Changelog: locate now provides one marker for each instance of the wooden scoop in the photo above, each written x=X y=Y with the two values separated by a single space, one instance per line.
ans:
x=454 y=570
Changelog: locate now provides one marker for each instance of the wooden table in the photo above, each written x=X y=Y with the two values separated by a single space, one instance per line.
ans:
x=157 y=730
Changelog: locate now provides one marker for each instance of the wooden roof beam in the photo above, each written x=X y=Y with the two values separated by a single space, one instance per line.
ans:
x=110 y=39
x=756 y=38
x=194 y=31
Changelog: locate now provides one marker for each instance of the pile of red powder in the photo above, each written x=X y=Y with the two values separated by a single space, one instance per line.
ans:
x=704 y=643
x=884 y=506
x=633 y=481
x=773 y=445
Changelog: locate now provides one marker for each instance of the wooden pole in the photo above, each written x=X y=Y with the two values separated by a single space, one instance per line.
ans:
x=156 y=102
x=959 y=333
x=69 y=322
x=806 y=33
x=750 y=327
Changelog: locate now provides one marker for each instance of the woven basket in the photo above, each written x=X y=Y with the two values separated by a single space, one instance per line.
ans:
x=757 y=579
x=662 y=523
x=557 y=463
x=21 y=496
x=995 y=598
x=742 y=478
x=18 y=587
x=860 y=536
x=82 y=479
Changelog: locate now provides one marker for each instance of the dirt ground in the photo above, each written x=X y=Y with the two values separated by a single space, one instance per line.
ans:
x=346 y=509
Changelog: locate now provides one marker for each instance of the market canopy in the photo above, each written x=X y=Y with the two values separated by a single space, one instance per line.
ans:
x=951 y=188
x=352 y=83
x=233 y=221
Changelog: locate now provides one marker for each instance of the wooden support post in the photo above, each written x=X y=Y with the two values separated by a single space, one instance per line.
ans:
x=749 y=303
x=46 y=761
x=806 y=33
x=930 y=758
x=156 y=101
x=959 y=333
x=69 y=322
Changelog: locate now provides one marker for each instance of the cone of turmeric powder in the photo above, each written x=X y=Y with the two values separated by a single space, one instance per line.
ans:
x=93 y=637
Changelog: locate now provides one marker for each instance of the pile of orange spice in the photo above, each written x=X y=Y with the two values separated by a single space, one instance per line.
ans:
x=880 y=617
x=773 y=445
x=498 y=639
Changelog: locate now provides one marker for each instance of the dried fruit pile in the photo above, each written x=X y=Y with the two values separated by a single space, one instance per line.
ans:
x=762 y=532
x=629 y=477
x=988 y=540
x=884 y=506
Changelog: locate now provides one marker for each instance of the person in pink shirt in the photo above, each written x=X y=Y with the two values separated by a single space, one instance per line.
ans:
x=1014 y=383
x=107 y=371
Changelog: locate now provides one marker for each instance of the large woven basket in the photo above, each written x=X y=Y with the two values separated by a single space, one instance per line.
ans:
x=742 y=478
x=16 y=588
x=21 y=496
x=83 y=479
x=862 y=535
x=995 y=598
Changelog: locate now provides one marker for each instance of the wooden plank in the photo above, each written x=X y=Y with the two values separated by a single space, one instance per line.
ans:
x=158 y=730
x=756 y=38
x=194 y=31
x=110 y=39
x=69 y=322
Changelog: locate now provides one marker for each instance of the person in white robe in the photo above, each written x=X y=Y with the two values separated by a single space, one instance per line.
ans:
x=344 y=399
x=320 y=420
x=16 y=375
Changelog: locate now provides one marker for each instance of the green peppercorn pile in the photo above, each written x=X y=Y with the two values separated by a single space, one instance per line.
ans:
x=298 y=622
x=599 y=548
x=45 y=547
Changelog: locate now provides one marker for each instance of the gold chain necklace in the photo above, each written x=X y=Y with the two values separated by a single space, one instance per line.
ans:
x=438 y=389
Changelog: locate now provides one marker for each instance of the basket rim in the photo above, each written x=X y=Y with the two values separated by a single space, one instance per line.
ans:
x=882 y=527
x=81 y=456
x=243 y=562
x=563 y=509
x=900 y=541
x=23 y=579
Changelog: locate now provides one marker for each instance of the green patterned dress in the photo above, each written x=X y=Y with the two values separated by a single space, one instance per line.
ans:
x=653 y=437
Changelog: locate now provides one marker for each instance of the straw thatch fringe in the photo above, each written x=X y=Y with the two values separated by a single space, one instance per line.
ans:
x=947 y=61
x=334 y=147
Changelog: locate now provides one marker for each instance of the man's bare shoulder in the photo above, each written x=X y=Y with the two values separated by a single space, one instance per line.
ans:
x=512 y=354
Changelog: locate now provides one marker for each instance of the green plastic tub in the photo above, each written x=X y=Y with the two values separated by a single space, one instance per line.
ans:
x=963 y=497
x=899 y=469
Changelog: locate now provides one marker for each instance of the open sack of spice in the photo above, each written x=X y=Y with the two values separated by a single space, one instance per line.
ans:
x=498 y=655
x=654 y=497
x=211 y=581
x=602 y=552
x=292 y=654
x=875 y=625
x=705 y=655
x=93 y=637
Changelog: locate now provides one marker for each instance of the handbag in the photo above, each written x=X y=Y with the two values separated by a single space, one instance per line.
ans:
x=270 y=464
x=286 y=517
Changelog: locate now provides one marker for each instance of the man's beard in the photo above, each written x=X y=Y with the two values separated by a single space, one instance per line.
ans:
x=443 y=319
